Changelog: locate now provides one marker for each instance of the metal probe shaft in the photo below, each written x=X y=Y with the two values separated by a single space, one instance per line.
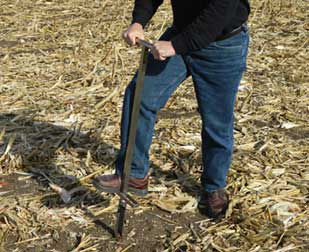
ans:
x=132 y=134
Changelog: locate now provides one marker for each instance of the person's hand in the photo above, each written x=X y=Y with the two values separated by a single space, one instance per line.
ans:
x=162 y=50
x=133 y=32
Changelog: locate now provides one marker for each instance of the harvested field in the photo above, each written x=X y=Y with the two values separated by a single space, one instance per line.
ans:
x=63 y=71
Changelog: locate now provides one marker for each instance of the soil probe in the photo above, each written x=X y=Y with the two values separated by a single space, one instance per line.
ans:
x=124 y=197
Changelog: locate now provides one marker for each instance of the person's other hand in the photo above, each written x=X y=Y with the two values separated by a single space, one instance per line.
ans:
x=133 y=32
x=162 y=50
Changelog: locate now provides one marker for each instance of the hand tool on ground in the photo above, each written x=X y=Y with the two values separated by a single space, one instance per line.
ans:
x=124 y=197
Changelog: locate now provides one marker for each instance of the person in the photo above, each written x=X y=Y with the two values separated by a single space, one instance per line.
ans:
x=208 y=40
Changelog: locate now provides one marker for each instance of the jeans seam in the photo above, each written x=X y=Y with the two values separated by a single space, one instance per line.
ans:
x=145 y=156
x=243 y=65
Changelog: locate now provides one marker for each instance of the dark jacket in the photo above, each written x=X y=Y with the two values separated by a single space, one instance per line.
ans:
x=199 y=22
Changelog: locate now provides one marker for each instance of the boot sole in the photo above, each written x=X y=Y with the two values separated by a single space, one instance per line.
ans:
x=138 y=192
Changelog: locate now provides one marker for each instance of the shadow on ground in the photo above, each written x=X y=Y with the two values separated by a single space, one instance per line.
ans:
x=39 y=147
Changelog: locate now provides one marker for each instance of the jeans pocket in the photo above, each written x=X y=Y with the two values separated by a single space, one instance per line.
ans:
x=232 y=43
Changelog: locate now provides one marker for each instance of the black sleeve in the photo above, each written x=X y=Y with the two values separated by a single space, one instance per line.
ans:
x=206 y=27
x=144 y=10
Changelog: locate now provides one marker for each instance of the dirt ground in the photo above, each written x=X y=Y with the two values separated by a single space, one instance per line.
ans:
x=63 y=72
x=149 y=230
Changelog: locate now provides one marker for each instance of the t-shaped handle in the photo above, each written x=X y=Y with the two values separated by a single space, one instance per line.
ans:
x=144 y=43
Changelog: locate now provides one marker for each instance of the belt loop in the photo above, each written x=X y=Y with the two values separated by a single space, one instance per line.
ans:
x=244 y=27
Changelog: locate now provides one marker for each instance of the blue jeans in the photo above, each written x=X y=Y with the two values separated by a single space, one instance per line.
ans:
x=216 y=72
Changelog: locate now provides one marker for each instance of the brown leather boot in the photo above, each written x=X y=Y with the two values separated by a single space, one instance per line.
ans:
x=213 y=204
x=111 y=183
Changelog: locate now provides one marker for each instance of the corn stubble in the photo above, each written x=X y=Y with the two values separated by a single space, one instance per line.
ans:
x=63 y=72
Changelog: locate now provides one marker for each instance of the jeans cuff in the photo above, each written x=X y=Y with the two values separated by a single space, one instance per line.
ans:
x=133 y=173
x=212 y=188
x=137 y=175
